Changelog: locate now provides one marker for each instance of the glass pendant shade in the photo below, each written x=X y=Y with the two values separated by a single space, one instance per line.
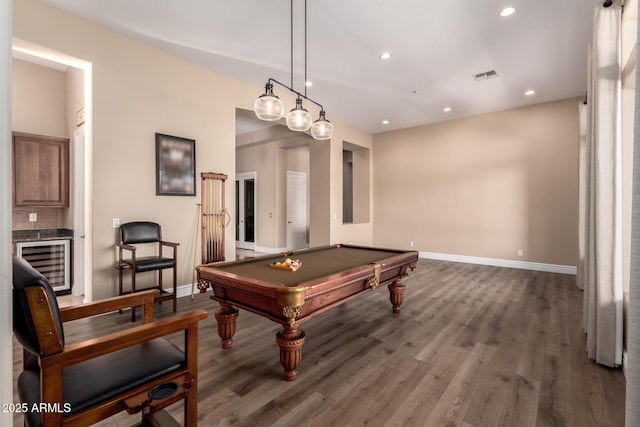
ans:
x=322 y=128
x=299 y=119
x=268 y=106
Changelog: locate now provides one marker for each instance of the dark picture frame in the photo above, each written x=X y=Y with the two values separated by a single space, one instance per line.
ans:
x=175 y=166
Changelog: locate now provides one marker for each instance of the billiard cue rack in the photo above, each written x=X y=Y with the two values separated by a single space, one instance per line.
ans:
x=214 y=217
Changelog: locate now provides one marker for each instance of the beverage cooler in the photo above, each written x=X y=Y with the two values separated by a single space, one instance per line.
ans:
x=51 y=259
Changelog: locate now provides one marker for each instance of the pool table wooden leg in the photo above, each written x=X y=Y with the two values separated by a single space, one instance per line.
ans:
x=396 y=294
x=290 y=340
x=226 y=317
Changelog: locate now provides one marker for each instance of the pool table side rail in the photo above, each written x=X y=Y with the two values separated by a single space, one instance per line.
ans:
x=331 y=295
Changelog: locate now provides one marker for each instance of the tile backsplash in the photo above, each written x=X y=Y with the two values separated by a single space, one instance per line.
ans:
x=47 y=218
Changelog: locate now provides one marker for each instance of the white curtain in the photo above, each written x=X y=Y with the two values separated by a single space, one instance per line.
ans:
x=600 y=272
x=582 y=188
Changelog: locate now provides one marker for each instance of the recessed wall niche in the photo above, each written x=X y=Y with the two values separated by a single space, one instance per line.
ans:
x=356 y=182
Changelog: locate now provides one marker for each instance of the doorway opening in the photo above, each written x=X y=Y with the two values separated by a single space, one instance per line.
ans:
x=81 y=149
x=246 y=201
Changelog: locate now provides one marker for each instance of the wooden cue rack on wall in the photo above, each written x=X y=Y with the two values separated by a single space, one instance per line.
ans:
x=214 y=217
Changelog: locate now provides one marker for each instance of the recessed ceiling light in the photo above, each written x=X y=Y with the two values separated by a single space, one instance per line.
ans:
x=446 y=109
x=385 y=55
x=530 y=92
x=308 y=83
x=385 y=122
x=507 y=11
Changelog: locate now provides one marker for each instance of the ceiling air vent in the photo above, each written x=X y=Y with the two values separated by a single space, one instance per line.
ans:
x=485 y=76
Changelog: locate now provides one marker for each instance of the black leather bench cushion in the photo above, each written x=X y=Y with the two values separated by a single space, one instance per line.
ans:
x=88 y=383
x=152 y=263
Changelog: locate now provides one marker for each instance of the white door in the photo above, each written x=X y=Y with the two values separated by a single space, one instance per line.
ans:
x=296 y=210
x=246 y=210
x=78 y=213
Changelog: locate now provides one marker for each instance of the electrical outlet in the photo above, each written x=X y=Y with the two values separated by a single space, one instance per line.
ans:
x=411 y=244
x=520 y=252
x=33 y=217
x=116 y=222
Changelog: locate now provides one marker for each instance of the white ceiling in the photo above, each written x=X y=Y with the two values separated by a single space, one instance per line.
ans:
x=437 y=47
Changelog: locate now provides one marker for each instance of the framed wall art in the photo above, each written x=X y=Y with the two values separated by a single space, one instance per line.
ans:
x=175 y=166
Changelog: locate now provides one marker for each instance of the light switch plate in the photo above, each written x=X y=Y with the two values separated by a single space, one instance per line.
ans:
x=116 y=222
x=80 y=117
x=33 y=217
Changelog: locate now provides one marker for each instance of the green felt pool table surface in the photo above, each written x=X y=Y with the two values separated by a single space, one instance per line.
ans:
x=315 y=264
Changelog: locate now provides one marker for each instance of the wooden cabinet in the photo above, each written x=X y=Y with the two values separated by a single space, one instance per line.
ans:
x=40 y=170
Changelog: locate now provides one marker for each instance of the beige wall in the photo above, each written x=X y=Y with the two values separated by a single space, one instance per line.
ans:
x=38 y=106
x=320 y=195
x=294 y=159
x=38 y=100
x=261 y=159
x=138 y=91
x=483 y=186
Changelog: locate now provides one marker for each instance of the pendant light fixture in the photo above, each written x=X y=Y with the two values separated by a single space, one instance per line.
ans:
x=299 y=119
x=322 y=128
x=270 y=108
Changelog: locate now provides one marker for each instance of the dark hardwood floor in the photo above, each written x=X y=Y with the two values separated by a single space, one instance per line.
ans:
x=472 y=346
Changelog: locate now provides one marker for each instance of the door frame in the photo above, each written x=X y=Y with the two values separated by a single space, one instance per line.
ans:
x=240 y=178
x=78 y=212
x=37 y=51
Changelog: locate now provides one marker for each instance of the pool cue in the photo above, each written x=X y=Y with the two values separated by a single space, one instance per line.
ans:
x=217 y=186
x=208 y=226
x=211 y=224
x=214 y=196
x=195 y=248
x=222 y=213
x=202 y=201
x=218 y=240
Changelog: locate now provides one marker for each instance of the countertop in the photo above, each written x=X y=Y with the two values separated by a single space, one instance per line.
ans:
x=41 y=234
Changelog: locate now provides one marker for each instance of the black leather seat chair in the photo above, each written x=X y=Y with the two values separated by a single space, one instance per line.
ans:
x=136 y=233
x=82 y=383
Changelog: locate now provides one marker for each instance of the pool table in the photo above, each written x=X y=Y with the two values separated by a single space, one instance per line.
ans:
x=326 y=277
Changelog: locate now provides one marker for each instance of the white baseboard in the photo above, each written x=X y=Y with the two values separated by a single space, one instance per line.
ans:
x=265 y=250
x=524 y=265
x=185 y=290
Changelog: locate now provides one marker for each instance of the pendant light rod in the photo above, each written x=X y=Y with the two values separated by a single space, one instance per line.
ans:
x=291 y=43
x=295 y=91
x=305 y=47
